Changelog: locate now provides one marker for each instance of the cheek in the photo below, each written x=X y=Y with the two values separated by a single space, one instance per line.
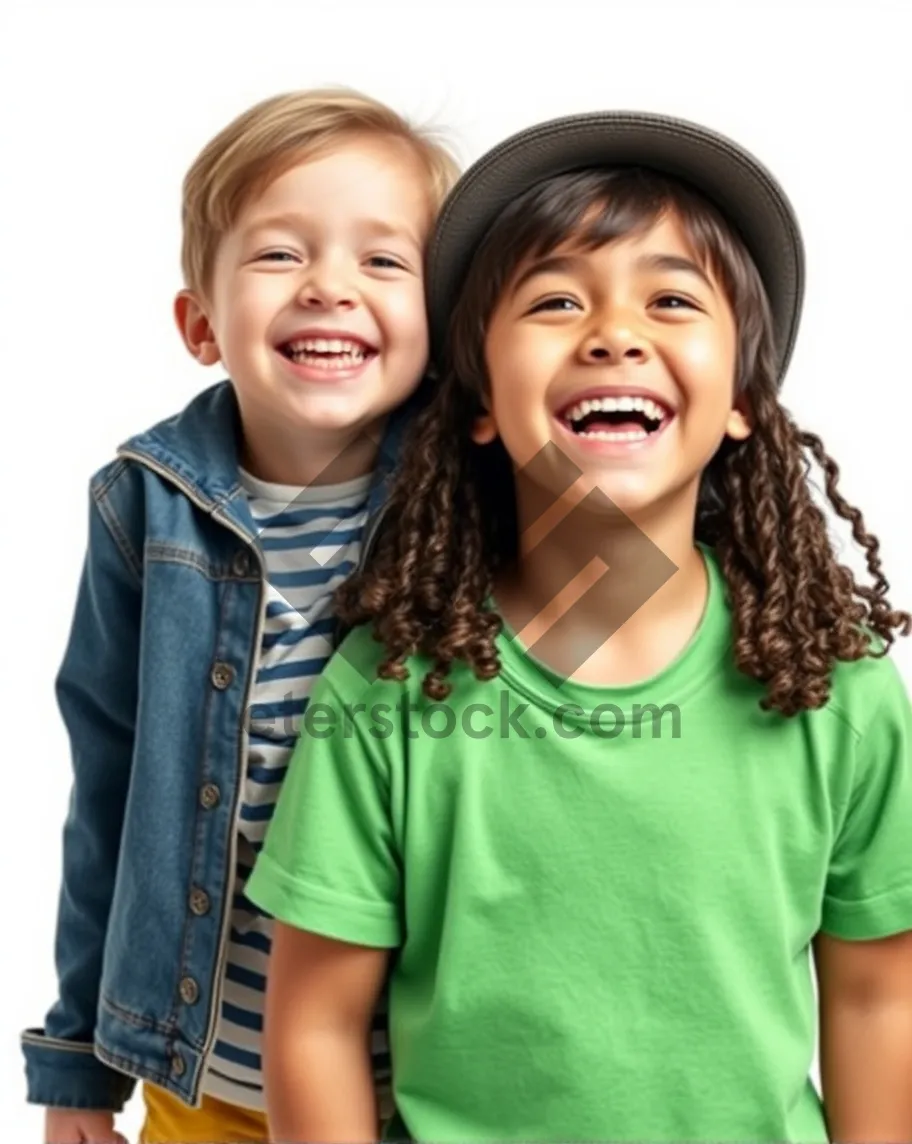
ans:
x=522 y=367
x=702 y=356
x=707 y=364
x=509 y=356
x=249 y=309
x=503 y=366
x=521 y=371
x=402 y=317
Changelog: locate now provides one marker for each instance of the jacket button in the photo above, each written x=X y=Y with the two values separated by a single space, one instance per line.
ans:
x=209 y=796
x=177 y=1065
x=189 y=991
x=240 y=565
x=222 y=674
x=199 y=902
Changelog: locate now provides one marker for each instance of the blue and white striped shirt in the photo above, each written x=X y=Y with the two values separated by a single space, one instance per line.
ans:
x=310 y=540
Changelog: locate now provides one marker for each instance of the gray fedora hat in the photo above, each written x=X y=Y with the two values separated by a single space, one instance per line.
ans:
x=729 y=176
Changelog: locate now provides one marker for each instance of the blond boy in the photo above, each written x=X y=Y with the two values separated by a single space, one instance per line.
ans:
x=215 y=542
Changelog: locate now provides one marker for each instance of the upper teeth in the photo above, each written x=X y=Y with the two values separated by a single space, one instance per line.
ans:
x=326 y=346
x=616 y=405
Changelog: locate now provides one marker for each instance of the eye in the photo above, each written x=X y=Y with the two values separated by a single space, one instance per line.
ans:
x=676 y=302
x=385 y=262
x=276 y=256
x=561 y=303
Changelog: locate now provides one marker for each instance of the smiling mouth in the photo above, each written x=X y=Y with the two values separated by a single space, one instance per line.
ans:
x=327 y=353
x=616 y=418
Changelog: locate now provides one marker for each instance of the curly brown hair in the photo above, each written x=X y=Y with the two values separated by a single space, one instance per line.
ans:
x=452 y=525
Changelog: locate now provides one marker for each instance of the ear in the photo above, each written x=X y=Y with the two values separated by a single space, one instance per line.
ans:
x=193 y=326
x=484 y=426
x=484 y=429
x=738 y=426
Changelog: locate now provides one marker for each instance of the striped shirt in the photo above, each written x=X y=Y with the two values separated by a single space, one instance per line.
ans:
x=310 y=540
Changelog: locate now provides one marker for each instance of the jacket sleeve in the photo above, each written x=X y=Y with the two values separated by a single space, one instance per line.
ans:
x=96 y=694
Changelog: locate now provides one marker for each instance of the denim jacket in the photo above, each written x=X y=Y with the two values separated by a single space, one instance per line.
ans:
x=153 y=688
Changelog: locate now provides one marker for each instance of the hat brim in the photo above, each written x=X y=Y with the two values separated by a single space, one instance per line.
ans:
x=742 y=189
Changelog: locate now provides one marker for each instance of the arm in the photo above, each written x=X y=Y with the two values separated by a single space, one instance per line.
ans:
x=865 y=993
x=330 y=875
x=863 y=954
x=319 y=1002
x=96 y=689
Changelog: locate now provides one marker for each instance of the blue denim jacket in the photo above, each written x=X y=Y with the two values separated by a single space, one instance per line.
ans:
x=153 y=688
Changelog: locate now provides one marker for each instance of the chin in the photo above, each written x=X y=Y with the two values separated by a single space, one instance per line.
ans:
x=621 y=499
x=331 y=417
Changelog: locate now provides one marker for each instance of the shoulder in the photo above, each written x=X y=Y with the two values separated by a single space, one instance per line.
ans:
x=115 y=479
x=869 y=696
x=125 y=472
x=193 y=449
x=353 y=669
x=117 y=514
x=868 y=690
x=352 y=674
x=210 y=413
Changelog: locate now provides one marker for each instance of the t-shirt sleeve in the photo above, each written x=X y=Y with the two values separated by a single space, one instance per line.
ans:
x=330 y=862
x=869 y=883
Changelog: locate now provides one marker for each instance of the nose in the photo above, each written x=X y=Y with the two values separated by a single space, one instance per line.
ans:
x=613 y=339
x=327 y=286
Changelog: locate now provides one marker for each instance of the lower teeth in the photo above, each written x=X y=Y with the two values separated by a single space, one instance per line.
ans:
x=326 y=361
x=607 y=435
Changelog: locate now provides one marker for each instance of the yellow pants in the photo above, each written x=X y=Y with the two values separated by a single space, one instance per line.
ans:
x=170 y=1121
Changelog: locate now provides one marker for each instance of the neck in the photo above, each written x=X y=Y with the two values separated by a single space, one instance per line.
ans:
x=289 y=457
x=585 y=574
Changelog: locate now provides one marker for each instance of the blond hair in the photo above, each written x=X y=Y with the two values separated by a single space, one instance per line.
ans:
x=271 y=137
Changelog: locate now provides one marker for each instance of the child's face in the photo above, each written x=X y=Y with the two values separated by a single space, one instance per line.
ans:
x=316 y=307
x=624 y=357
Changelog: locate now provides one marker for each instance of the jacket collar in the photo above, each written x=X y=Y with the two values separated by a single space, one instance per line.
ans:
x=199 y=449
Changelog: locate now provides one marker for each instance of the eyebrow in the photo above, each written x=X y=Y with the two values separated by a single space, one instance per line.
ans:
x=674 y=262
x=374 y=227
x=565 y=264
x=382 y=228
x=555 y=264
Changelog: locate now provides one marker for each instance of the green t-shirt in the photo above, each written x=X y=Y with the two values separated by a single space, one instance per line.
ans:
x=602 y=917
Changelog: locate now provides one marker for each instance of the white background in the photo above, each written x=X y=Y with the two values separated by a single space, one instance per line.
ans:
x=103 y=108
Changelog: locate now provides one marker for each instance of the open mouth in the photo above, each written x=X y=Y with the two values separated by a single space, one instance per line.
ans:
x=327 y=353
x=616 y=418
